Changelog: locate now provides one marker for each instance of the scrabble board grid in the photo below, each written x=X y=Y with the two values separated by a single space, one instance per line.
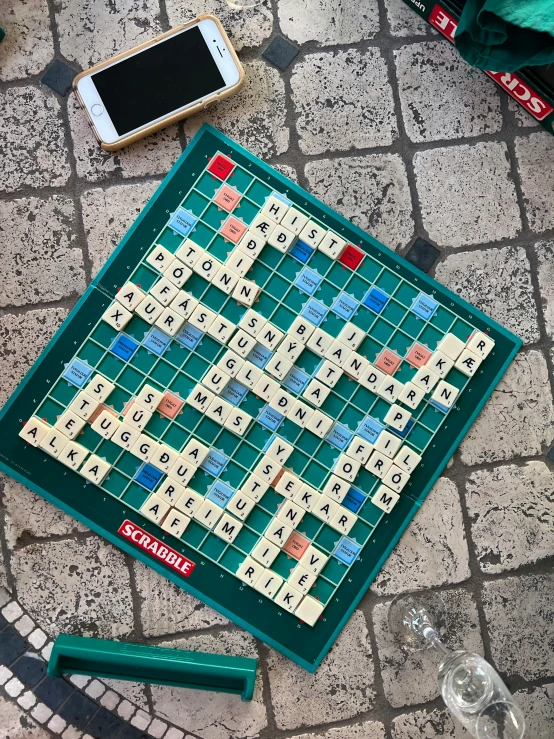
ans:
x=244 y=452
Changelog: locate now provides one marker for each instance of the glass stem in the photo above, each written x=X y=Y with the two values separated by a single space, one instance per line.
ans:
x=428 y=633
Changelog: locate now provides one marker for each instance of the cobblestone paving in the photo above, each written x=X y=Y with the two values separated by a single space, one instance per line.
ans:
x=380 y=118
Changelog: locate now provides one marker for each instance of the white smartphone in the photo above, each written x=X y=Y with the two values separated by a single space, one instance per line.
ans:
x=159 y=82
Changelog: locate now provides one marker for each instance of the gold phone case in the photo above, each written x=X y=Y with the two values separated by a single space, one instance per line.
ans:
x=131 y=138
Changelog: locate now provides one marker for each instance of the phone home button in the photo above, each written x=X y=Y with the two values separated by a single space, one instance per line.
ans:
x=96 y=109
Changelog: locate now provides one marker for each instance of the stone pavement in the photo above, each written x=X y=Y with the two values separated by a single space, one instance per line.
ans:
x=379 y=117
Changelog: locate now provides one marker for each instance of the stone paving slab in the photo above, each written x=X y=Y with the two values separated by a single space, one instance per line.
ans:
x=380 y=118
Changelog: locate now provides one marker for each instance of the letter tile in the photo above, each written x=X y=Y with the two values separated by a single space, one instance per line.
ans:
x=300 y=413
x=388 y=444
x=202 y=317
x=164 y=458
x=175 y=524
x=106 y=424
x=279 y=450
x=372 y=378
x=207 y=267
x=312 y=234
x=278 y=532
x=73 y=455
x=378 y=464
x=242 y=343
x=313 y=560
x=316 y=392
x=240 y=506
x=149 y=309
x=425 y=379
x=294 y=220
x=225 y=279
x=332 y=245
x=189 y=502
x=70 y=424
x=451 y=345
x=278 y=366
x=275 y=208
x=200 y=398
x=319 y=424
x=281 y=238
x=160 y=257
x=267 y=388
x=301 y=579
x=170 y=491
x=336 y=488
x=99 y=388
x=268 y=584
x=170 y=322
x=208 y=514
x=356 y=365
x=95 y=469
x=288 y=598
x=346 y=468
x=289 y=484
x=329 y=373
x=444 y=395
x=397 y=417
x=252 y=244
x=154 y=508
x=267 y=469
x=218 y=410
x=149 y=398
x=306 y=497
x=309 y=610
x=215 y=379
x=239 y=263
x=468 y=363
x=396 y=479
x=440 y=364
x=238 y=421
x=480 y=344
x=325 y=508
x=130 y=295
x=359 y=449
x=250 y=571
x=177 y=273
x=189 y=253
x=269 y=336
x=83 y=405
x=227 y=528
x=301 y=329
x=343 y=521
x=164 y=291
x=338 y=353
x=265 y=552
x=262 y=227
x=117 y=316
x=144 y=448
x=407 y=459
x=245 y=291
x=320 y=341
x=385 y=498
x=34 y=431
x=183 y=304
x=255 y=487
x=411 y=395
x=136 y=417
x=252 y=322
x=290 y=348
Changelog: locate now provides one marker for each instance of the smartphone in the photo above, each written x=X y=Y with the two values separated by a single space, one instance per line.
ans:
x=159 y=82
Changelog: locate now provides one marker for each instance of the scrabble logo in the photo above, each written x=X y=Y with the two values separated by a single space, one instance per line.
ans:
x=514 y=85
x=140 y=538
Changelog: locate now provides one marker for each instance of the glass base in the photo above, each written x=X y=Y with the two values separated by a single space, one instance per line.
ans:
x=409 y=615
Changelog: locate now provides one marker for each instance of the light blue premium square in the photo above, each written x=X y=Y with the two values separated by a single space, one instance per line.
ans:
x=339 y=436
x=124 y=347
x=308 y=281
x=234 y=392
x=77 y=373
x=314 y=311
x=259 y=355
x=182 y=222
x=157 y=342
x=296 y=380
x=347 y=550
x=424 y=306
x=188 y=336
x=369 y=429
x=345 y=306
x=215 y=462
x=220 y=493
x=376 y=300
x=270 y=418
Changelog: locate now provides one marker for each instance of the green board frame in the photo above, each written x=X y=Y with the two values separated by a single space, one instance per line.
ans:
x=104 y=514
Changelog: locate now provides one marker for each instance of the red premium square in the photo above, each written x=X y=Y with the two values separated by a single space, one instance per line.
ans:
x=418 y=355
x=388 y=361
x=221 y=167
x=351 y=257
x=227 y=198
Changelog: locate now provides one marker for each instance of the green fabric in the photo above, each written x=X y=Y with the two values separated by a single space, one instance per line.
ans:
x=505 y=35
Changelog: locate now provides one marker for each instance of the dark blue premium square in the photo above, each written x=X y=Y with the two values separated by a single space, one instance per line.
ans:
x=124 y=347
x=376 y=300
x=148 y=476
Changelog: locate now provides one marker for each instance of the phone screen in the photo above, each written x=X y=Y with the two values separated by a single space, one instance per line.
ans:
x=158 y=80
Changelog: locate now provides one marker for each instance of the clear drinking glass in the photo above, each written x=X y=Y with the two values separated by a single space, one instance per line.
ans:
x=471 y=688
x=244 y=6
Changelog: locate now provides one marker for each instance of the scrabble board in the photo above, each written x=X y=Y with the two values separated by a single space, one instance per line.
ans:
x=253 y=397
